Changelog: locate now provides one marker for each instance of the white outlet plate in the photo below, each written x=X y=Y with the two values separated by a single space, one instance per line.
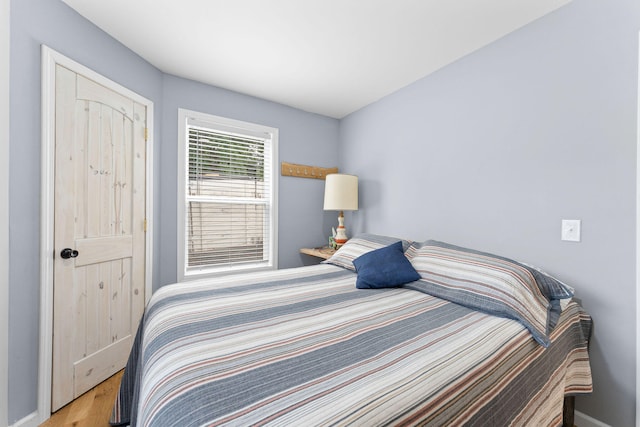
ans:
x=571 y=230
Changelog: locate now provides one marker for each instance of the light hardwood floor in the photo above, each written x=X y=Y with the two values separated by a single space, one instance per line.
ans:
x=92 y=409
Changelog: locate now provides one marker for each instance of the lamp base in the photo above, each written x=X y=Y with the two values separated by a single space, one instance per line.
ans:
x=341 y=233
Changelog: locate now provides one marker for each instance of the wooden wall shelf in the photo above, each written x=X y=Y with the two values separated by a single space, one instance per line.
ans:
x=305 y=171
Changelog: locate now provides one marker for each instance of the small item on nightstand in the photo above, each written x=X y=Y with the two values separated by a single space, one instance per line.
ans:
x=332 y=239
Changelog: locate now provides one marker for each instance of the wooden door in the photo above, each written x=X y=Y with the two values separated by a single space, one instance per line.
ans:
x=100 y=217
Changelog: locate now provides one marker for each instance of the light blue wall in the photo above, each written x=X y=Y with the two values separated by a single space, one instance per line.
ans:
x=304 y=138
x=493 y=151
x=36 y=22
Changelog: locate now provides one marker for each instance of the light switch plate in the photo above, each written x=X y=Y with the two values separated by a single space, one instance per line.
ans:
x=571 y=230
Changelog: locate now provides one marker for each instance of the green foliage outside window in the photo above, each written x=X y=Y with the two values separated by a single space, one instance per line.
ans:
x=213 y=155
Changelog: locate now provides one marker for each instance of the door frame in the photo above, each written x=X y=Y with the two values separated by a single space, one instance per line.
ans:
x=51 y=58
x=4 y=210
x=637 y=397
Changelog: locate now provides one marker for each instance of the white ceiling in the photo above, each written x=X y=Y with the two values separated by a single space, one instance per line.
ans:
x=330 y=57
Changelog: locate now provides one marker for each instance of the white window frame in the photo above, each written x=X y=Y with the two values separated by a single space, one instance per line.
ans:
x=240 y=127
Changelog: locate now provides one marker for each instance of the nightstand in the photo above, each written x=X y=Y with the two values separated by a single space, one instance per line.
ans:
x=324 y=252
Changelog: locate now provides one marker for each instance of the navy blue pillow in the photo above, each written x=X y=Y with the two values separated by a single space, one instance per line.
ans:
x=386 y=267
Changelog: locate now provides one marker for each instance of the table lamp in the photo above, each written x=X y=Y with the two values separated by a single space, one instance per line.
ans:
x=341 y=194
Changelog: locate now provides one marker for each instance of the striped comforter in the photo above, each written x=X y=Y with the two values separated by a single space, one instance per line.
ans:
x=304 y=347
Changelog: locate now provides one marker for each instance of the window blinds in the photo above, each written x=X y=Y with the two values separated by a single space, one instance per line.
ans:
x=229 y=197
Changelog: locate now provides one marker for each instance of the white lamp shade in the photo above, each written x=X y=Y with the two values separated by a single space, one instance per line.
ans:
x=341 y=192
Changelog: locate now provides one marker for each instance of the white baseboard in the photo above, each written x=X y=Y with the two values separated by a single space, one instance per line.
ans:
x=30 y=420
x=584 y=420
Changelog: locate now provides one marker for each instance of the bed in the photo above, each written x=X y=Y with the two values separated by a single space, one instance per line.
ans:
x=474 y=339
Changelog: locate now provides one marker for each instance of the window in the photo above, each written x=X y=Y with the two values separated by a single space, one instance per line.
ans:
x=227 y=184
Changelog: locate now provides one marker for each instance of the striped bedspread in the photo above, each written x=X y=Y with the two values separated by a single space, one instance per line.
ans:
x=304 y=347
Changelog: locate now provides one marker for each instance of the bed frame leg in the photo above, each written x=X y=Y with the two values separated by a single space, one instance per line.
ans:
x=568 y=411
